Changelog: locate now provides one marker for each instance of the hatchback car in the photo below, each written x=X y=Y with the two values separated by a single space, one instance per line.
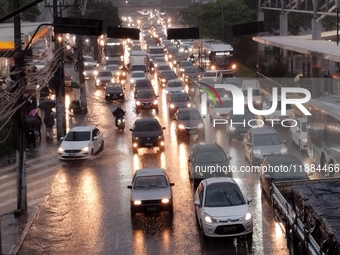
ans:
x=274 y=169
x=103 y=78
x=162 y=67
x=80 y=143
x=114 y=91
x=90 y=72
x=146 y=99
x=136 y=75
x=222 y=210
x=212 y=75
x=299 y=133
x=189 y=121
x=151 y=191
x=206 y=161
x=181 y=67
x=114 y=69
x=147 y=133
x=89 y=61
x=259 y=142
x=220 y=109
x=178 y=100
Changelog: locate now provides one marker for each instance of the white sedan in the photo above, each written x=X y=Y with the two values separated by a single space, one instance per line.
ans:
x=221 y=209
x=299 y=133
x=212 y=75
x=218 y=110
x=80 y=143
x=174 y=86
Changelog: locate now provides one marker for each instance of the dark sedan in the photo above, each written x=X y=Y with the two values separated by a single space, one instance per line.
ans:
x=191 y=73
x=165 y=76
x=114 y=91
x=275 y=168
x=181 y=67
x=103 y=78
x=189 y=121
x=142 y=84
x=146 y=100
x=178 y=100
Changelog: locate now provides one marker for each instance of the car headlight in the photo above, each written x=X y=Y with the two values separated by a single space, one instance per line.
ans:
x=160 y=137
x=85 y=149
x=188 y=105
x=181 y=126
x=98 y=80
x=304 y=140
x=218 y=114
x=155 y=65
x=135 y=138
x=175 y=61
x=213 y=67
x=231 y=128
x=257 y=151
x=258 y=101
x=118 y=73
x=86 y=64
x=132 y=81
x=182 y=69
x=283 y=150
x=166 y=91
x=165 y=200
x=137 y=103
x=122 y=57
x=106 y=58
x=201 y=125
x=247 y=216
x=163 y=80
x=209 y=219
x=95 y=72
x=84 y=73
x=155 y=102
x=108 y=95
x=97 y=65
x=233 y=66
x=112 y=80
x=137 y=202
x=61 y=149
x=172 y=106
x=121 y=94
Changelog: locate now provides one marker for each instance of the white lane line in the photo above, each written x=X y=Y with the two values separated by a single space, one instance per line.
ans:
x=117 y=242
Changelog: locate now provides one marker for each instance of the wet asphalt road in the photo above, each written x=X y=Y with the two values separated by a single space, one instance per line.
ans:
x=87 y=211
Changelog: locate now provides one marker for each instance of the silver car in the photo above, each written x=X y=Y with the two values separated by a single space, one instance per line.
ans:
x=259 y=142
x=151 y=191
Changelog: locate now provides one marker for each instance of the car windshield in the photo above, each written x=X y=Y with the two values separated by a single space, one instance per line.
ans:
x=185 y=63
x=175 y=84
x=113 y=62
x=151 y=182
x=191 y=69
x=146 y=126
x=77 y=136
x=209 y=74
x=189 y=115
x=267 y=140
x=225 y=104
x=143 y=84
x=135 y=75
x=114 y=87
x=278 y=108
x=169 y=76
x=156 y=51
x=87 y=59
x=211 y=156
x=146 y=94
x=304 y=126
x=165 y=67
x=105 y=74
x=159 y=60
x=112 y=67
x=138 y=68
x=179 y=97
x=255 y=92
x=240 y=118
x=89 y=68
x=223 y=194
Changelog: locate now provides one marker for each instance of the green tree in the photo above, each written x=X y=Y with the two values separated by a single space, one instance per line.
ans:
x=105 y=11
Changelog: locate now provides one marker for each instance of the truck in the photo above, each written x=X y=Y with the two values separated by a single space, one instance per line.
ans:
x=309 y=213
x=139 y=61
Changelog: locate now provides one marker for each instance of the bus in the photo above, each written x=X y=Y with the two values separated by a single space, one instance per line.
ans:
x=323 y=134
x=214 y=55
x=114 y=48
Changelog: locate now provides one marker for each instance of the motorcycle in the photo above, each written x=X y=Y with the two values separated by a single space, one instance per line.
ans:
x=120 y=123
x=123 y=76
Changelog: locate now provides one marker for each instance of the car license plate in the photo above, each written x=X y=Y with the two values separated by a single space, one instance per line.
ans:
x=114 y=96
x=151 y=209
x=71 y=154
x=146 y=106
x=148 y=144
x=229 y=229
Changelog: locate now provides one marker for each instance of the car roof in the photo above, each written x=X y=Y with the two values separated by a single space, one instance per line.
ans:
x=278 y=159
x=150 y=171
x=81 y=128
x=219 y=180
x=175 y=80
x=263 y=130
x=187 y=109
x=208 y=147
x=149 y=119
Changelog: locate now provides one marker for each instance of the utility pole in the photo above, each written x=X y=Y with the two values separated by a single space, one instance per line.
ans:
x=222 y=23
x=59 y=80
x=80 y=62
x=20 y=118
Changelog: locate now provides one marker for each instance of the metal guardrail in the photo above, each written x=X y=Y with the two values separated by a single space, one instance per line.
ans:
x=267 y=84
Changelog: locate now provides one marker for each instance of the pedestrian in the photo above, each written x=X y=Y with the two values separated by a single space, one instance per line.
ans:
x=31 y=138
x=38 y=126
x=49 y=123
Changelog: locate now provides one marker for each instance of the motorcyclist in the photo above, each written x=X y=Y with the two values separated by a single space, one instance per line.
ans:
x=118 y=113
x=122 y=71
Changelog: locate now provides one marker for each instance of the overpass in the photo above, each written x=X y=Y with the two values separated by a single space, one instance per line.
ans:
x=134 y=6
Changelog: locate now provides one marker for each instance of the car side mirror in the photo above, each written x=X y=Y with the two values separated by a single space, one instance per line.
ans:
x=230 y=158
x=131 y=129
x=284 y=141
x=197 y=203
x=62 y=138
x=172 y=184
x=249 y=199
x=129 y=186
x=163 y=128
x=95 y=138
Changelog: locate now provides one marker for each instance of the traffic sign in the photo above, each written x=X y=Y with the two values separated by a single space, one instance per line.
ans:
x=123 y=33
x=78 y=26
x=183 y=33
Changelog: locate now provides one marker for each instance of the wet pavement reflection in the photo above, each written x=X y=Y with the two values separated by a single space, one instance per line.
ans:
x=88 y=209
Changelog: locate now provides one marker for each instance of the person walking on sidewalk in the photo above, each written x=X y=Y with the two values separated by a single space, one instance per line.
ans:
x=31 y=138
x=49 y=123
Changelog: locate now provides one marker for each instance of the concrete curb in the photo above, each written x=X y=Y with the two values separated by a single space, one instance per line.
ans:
x=25 y=231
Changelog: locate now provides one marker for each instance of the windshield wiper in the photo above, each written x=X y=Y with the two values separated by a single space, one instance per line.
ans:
x=157 y=186
x=227 y=197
